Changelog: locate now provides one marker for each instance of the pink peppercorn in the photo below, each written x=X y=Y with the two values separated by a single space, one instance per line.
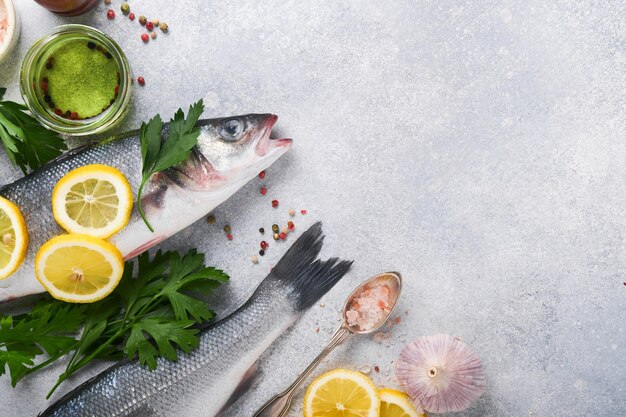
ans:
x=263 y=190
x=131 y=16
x=145 y=37
x=110 y=14
x=283 y=236
x=262 y=174
x=290 y=225
x=274 y=203
x=264 y=245
x=229 y=236
x=149 y=25
x=302 y=212
x=141 y=81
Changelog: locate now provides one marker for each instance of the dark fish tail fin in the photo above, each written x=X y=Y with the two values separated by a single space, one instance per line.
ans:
x=306 y=278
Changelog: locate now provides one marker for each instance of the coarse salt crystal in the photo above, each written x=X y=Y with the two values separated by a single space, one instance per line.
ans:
x=369 y=308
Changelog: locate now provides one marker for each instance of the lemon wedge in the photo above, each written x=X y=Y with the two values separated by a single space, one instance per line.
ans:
x=341 y=393
x=394 y=403
x=79 y=268
x=94 y=200
x=13 y=238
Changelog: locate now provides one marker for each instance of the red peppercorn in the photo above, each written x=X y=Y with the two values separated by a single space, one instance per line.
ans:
x=117 y=89
x=229 y=236
x=110 y=14
x=145 y=37
x=262 y=174
x=74 y=116
x=283 y=236
x=303 y=212
x=263 y=190
x=264 y=245
x=141 y=81
x=274 y=203
x=376 y=368
x=149 y=25
x=131 y=16
x=290 y=225
x=58 y=112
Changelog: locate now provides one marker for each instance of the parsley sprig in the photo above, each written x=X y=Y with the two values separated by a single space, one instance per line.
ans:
x=148 y=316
x=160 y=153
x=28 y=144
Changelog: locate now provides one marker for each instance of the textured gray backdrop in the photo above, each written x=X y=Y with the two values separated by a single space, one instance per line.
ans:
x=477 y=147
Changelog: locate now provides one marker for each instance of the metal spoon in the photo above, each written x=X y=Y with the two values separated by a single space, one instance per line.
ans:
x=279 y=405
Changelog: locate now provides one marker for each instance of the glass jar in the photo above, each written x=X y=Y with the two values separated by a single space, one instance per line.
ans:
x=68 y=7
x=76 y=80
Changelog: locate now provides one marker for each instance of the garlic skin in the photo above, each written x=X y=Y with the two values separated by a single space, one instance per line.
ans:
x=441 y=373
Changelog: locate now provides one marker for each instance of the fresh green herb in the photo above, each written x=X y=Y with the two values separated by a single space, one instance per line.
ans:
x=27 y=142
x=160 y=153
x=147 y=316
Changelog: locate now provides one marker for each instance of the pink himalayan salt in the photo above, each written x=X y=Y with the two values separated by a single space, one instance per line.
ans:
x=3 y=21
x=369 y=308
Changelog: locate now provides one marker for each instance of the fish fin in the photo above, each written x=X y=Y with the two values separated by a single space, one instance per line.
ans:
x=249 y=379
x=308 y=279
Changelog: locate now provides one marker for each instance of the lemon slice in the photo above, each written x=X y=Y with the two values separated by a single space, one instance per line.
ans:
x=341 y=393
x=13 y=238
x=394 y=403
x=94 y=200
x=79 y=268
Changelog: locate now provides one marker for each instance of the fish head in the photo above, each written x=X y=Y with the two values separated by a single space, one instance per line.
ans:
x=230 y=150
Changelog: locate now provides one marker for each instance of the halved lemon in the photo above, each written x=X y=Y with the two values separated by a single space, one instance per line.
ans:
x=13 y=238
x=94 y=200
x=79 y=268
x=341 y=393
x=394 y=403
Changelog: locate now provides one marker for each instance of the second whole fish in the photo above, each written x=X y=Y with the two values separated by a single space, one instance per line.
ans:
x=206 y=380
x=230 y=152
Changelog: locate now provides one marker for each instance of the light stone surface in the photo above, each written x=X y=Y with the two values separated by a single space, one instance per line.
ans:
x=476 y=147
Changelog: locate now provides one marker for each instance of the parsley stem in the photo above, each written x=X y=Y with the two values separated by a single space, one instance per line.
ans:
x=140 y=207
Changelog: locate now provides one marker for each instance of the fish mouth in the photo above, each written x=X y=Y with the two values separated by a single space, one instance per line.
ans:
x=267 y=144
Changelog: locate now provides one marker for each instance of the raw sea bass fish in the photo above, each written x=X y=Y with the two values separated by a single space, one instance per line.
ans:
x=209 y=378
x=230 y=152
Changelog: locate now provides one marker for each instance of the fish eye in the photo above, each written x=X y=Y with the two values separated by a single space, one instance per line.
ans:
x=231 y=130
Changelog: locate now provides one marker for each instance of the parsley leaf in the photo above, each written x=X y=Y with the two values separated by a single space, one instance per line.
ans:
x=149 y=315
x=27 y=143
x=160 y=153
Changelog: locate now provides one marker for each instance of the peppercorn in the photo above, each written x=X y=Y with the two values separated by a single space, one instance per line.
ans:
x=274 y=203
x=290 y=225
x=110 y=14
x=229 y=236
x=284 y=230
x=44 y=85
x=255 y=259
x=149 y=25
x=58 y=112
x=142 y=20
x=303 y=212
x=283 y=236
x=74 y=116
x=163 y=26
x=155 y=22
x=276 y=236
x=228 y=229
x=264 y=245
x=131 y=16
x=275 y=227
x=141 y=81
x=262 y=252
x=153 y=35
x=210 y=219
x=292 y=212
x=263 y=190
x=262 y=174
x=91 y=45
x=262 y=230
x=125 y=7
x=107 y=2
x=145 y=37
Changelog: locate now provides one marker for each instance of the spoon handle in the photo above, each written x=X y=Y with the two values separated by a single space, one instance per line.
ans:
x=279 y=405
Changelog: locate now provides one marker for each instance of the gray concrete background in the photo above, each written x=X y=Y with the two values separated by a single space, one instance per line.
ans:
x=477 y=147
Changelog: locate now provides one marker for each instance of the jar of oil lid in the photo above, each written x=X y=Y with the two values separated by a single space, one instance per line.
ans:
x=76 y=80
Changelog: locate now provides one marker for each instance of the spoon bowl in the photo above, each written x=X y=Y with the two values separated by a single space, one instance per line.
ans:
x=392 y=281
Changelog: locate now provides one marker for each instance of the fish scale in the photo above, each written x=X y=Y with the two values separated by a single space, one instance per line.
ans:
x=202 y=382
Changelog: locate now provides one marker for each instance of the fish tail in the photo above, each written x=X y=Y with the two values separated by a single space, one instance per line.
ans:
x=306 y=277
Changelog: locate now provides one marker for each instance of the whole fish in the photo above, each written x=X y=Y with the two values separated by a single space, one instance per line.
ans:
x=209 y=378
x=230 y=152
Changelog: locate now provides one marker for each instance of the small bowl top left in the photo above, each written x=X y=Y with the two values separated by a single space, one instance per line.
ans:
x=9 y=28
